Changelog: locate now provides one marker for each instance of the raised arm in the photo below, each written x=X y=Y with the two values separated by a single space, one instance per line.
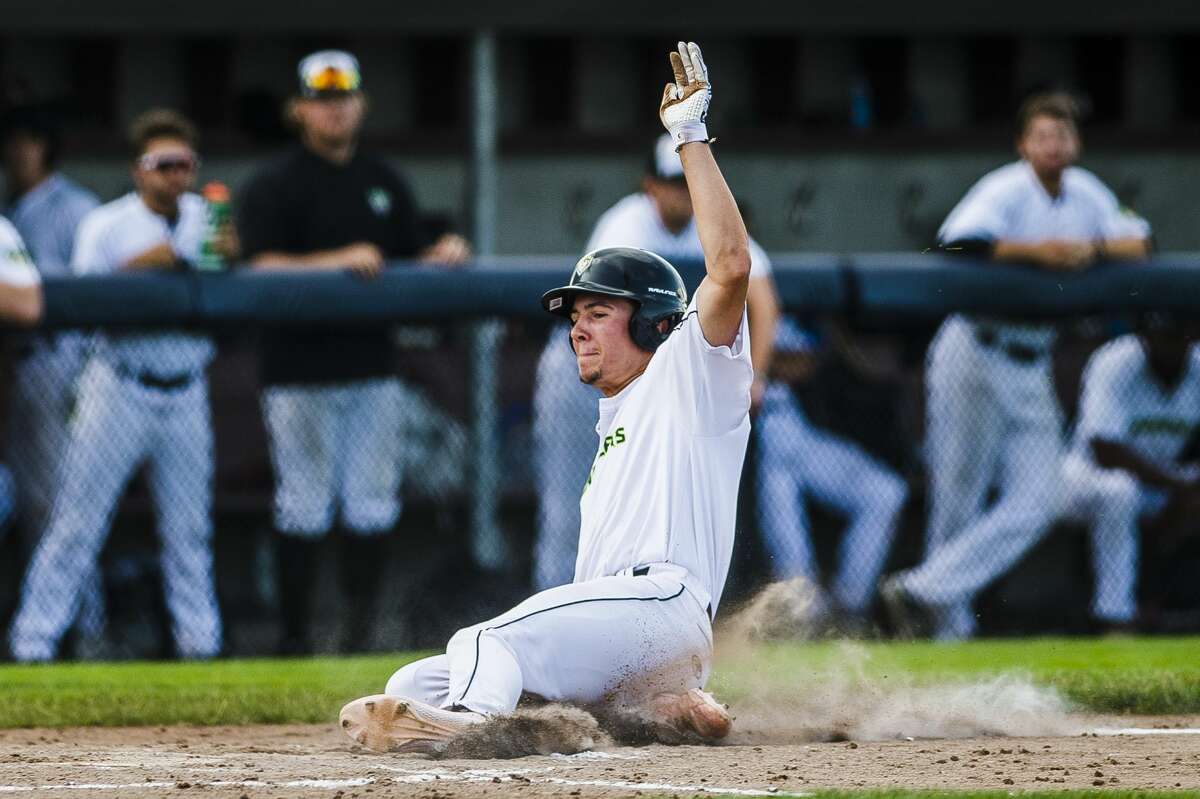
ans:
x=721 y=298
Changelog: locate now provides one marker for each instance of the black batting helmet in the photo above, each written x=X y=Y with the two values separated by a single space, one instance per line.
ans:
x=645 y=279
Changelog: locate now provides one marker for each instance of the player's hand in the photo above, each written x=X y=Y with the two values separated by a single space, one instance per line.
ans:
x=450 y=249
x=226 y=242
x=1066 y=255
x=160 y=256
x=684 y=106
x=362 y=258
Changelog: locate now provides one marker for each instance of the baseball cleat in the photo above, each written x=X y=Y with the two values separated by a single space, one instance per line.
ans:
x=694 y=711
x=384 y=723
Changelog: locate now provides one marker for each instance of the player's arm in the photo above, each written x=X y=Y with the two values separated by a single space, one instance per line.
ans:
x=762 y=306
x=160 y=256
x=21 y=305
x=1110 y=454
x=721 y=298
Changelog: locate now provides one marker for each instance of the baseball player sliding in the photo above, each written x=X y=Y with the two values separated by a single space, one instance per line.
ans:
x=657 y=512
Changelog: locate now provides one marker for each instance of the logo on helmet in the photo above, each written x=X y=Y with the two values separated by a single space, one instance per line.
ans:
x=583 y=264
x=657 y=290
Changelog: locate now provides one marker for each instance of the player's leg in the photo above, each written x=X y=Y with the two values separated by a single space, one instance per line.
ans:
x=181 y=485
x=783 y=520
x=632 y=636
x=1028 y=502
x=108 y=439
x=840 y=474
x=565 y=442
x=370 y=448
x=1109 y=502
x=640 y=641
x=300 y=426
x=961 y=450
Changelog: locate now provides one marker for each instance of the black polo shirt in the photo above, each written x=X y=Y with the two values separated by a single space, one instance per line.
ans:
x=301 y=203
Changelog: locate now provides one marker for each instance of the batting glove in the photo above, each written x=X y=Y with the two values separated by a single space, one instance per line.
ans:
x=685 y=102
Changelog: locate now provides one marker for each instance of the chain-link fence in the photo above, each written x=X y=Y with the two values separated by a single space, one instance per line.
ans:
x=165 y=499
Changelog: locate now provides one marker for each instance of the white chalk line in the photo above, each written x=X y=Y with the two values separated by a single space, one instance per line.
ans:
x=356 y=782
x=1145 y=731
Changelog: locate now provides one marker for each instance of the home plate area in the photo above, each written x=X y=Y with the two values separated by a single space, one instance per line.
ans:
x=317 y=761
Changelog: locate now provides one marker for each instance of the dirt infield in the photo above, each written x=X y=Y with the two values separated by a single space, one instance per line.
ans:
x=317 y=761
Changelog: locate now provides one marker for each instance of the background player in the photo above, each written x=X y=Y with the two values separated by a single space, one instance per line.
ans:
x=659 y=218
x=46 y=207
x=1140 y=408
x=797 y=460
x=142 y=399
x=992 y=415
x=332 y=402
x=659 y=508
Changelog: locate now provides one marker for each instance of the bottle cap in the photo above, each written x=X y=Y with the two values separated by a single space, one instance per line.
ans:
x=215 y=192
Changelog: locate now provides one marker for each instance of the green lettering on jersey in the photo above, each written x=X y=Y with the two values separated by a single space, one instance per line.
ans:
x=617 y=437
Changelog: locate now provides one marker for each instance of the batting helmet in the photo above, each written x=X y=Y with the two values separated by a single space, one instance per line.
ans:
x=645 y=279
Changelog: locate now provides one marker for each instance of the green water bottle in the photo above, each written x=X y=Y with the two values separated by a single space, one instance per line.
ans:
x=216 y=194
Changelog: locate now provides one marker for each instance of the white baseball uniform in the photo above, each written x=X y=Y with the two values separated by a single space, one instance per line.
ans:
x=1122 y=401
x=564 y=409
x=992 y=415
x=142 y=399
x=16 y=270
x=655 y=542
x=43 y=391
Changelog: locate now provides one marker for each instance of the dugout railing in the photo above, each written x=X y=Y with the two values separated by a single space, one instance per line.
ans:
x=467 y=346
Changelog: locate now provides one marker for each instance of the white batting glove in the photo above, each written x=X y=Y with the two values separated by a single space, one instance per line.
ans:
x=685 y=102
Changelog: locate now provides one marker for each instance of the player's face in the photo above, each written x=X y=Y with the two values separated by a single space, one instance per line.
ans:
x=672 y=200
x=165 y=169
x=606 y=355
x=1049 y=145
x=332 y=120
x=25 y=159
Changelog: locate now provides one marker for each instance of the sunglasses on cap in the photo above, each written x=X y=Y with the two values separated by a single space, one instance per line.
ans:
x=168 y=162
x=331 y=79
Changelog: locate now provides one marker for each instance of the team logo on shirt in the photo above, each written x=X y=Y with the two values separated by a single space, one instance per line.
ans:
x=617 y=438
x=380 y=200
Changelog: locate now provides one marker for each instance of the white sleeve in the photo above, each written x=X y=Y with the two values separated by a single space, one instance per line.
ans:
x=1117 y=222
x=92 y=254
x=981 y=214
x=760 y=262
x=1102 y=406
x=16 y=267
x=715 y=381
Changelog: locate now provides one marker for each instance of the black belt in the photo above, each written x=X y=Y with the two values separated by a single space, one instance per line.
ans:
x=1021 y=353
x=173 y=383
x=642 y=571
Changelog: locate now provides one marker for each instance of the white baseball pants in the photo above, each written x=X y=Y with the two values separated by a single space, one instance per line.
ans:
x=621 y=638
x=991 y=421
x=798 y=460
x=565 y=441
x=39 y=414
x=120 y=424
x=336 y=445
x=1110 y=502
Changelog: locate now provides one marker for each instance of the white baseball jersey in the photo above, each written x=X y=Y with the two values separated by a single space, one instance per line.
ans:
x=634 y=222
x=1010 y=203
x=664 y=483
x=16 y=267
x=115 y=233
x=1122 y=401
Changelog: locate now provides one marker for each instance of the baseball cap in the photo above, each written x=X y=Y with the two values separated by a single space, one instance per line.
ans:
x=329 y=73
x=665 y=163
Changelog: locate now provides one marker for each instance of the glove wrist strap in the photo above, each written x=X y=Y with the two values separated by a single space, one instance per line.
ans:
x=688 y=132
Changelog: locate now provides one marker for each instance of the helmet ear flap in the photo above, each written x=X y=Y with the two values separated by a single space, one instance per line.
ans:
x=645 y=332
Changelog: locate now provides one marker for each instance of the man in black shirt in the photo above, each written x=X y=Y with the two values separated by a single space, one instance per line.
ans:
x=331 y=399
